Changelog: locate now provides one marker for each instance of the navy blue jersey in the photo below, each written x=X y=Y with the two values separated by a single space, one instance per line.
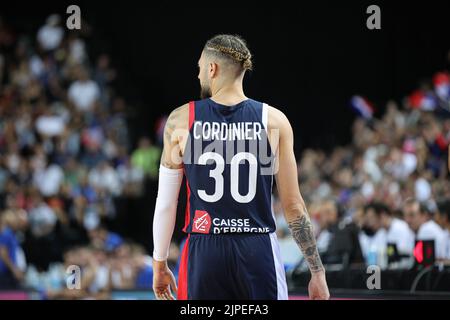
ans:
x=228 y=165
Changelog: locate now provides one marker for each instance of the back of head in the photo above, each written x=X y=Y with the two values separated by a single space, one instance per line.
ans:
x=330 y=209
x=428 y=208
x=231 y=49
x=411 y=205
x=444 y=209
x=412 y=214
x=379 y=208
x=7 y=218
x=411 y=202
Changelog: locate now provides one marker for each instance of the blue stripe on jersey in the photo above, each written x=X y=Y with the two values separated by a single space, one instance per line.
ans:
x=228 y=164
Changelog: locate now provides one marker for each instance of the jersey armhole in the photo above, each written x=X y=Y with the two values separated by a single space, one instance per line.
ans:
x=191 y=113
x=265 y=114
x=265 y=123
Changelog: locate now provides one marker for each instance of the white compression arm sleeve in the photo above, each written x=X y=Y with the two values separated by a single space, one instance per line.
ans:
x=165 y=210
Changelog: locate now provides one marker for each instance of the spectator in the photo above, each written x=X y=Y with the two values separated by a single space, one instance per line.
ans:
x=118 y=121
x=84 y=92
x=49 y=179
x=327 y=216
x=103 y=239
x=443 y=219
x=43 y=243
x=77 y=50
x=42 y=218
x=419 y=218
x=50 y=124
x=104 y=177
x=51 y=34
x=12 y=262
x=397 y=231
x=99 y=272
x=104 y=75
x=146 y=157
x=342 y=245
x=373 y=238
x=142 y=263
x=123 y=275
x=131 y=178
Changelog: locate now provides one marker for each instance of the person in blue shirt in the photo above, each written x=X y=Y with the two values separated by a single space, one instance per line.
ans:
x=10 y=272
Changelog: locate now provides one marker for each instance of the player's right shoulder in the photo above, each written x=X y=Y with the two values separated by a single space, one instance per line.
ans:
x=180 y=111
x=179 y=117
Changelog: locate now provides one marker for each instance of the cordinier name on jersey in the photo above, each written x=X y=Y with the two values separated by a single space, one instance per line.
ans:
x=227 y=131
x=236 y=226
x=227 y=140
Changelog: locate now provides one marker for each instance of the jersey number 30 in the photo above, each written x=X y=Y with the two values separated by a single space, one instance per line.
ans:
x=217 y=175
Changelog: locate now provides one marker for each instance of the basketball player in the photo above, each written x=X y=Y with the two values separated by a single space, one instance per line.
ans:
x=229 y=147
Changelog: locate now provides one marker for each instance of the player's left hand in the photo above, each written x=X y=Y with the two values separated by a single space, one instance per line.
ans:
x=163 y=281
x=318 y=288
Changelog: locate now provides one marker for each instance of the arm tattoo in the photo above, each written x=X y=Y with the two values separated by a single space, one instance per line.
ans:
x=170 y=125
x=170 y=140
x=302 y=232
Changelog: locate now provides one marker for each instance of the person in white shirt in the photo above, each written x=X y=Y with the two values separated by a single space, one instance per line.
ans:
x=50 y=124
x=104 y=177
x=84 y=92
x=443 y=219
x=48 y=180
x=419 y=219
x=51 y=34
x=397 y=230
x=373 y=236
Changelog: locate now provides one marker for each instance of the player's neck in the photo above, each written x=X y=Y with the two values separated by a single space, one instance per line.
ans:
x=230 y=94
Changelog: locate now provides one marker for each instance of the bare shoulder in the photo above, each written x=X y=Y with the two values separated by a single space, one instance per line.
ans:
x=178 y=118
x=277 y=119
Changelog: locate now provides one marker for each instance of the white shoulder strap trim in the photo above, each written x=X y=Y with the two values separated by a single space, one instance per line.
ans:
x=265 y=111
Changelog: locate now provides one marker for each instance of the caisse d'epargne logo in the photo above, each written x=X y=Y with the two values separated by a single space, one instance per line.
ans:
x=202 y=222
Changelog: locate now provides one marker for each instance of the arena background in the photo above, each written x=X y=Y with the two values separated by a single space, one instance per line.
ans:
x=310 y=59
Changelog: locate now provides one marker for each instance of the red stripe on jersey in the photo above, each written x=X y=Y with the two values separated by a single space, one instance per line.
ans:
x=182 y=293
x=187 y=215
x=191 y=114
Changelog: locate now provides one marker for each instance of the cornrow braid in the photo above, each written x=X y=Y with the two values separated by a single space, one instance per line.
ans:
x=232 y=47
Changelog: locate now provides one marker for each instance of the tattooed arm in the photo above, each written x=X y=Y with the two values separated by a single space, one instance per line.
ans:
x=303 y=234
x=293 y=205
x=175 y=136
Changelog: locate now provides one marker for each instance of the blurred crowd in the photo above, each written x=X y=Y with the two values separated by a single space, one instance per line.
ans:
x=65 y=156
x=386 y=190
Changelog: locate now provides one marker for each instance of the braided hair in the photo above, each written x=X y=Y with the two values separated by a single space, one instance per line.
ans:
x=232 y=47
